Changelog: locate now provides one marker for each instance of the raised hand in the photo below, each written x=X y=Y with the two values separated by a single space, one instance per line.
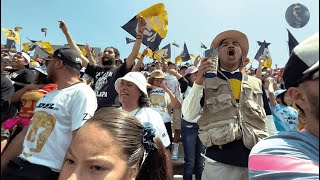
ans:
x=87 y=48
x=145 y=51
x=206 y=65
x=261 y=59
x=142 y=24
x=63 y=27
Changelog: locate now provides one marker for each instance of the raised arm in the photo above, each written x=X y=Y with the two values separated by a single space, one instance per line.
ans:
x=164 y=67
x=89 y=54
x=136 y=47
x=272 y=98
x=71 y=43
x=259 y=69
x=196 y=61
x=175 y=103
x=140 y=61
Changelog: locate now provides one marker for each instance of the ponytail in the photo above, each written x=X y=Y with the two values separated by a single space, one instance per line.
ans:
x=155 y=166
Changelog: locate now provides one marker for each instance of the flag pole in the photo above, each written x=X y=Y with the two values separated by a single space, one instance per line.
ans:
x=20 y=43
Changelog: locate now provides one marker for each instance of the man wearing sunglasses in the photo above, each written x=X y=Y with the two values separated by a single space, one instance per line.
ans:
x=38 y=151
x=294 y=155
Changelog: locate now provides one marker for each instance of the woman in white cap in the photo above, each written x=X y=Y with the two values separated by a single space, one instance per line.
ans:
x=133 y=96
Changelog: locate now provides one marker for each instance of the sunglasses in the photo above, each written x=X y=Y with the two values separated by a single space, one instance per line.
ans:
x=310 y=76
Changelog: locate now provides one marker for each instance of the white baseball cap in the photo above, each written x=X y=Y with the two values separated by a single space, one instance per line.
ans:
x=135 y=77
x=26 y=56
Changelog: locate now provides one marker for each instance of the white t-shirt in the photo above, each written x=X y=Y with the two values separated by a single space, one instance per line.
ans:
x=174 y=85
x=145 y=115
x=57 y=114
x=160 y=101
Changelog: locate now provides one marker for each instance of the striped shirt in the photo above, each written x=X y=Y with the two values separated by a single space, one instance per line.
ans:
x=285 y=155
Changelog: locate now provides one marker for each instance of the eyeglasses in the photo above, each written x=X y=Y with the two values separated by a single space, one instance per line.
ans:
x=310 y=76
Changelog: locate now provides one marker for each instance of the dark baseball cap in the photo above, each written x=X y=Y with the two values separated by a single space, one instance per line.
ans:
x=303 y=60
x=69 y=57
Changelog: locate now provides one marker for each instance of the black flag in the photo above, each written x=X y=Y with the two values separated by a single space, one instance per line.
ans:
x=203 y=46
x=45 y=31
x=185 y=56
x=263 y=45
x=292 y=42
x=128 y=40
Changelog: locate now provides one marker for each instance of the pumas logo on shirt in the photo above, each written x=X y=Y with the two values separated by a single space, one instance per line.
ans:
x=14 y=75
x=47 y=106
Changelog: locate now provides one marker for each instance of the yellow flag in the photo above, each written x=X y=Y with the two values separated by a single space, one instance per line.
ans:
x=157 y=57
x=83 y=51
x=178 y=59
x=25 y=47
x=156 y=18
x=150 y=53
x=28 y=46
x=46 y=46
x=268 y=62
x=139 y=55
x=11 y=34
x=192 y=56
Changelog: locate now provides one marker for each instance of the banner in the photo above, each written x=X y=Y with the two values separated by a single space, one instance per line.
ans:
x=264 y=50
x=11 y=35
x=164 y=52
x=30 y=46
x=156 y=18
x=11 y=45
x=185 y=56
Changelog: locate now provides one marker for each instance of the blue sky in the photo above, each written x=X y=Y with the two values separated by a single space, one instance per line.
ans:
x=98 y=22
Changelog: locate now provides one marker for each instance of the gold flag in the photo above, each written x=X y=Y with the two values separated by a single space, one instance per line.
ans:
x=11 y=34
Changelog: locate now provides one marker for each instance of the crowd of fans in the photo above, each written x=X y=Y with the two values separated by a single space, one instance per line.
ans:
x=101 y=117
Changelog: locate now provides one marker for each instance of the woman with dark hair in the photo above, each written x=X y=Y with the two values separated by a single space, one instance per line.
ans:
x=133 y=96
x=115 y=145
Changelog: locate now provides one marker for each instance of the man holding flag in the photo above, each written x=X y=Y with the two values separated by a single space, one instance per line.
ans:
x=105 y=76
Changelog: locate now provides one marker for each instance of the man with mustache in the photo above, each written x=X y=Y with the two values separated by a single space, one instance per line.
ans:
x=106 y=75
x=233 y=116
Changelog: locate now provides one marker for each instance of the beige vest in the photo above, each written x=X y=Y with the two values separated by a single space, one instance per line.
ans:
x=224 y=120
